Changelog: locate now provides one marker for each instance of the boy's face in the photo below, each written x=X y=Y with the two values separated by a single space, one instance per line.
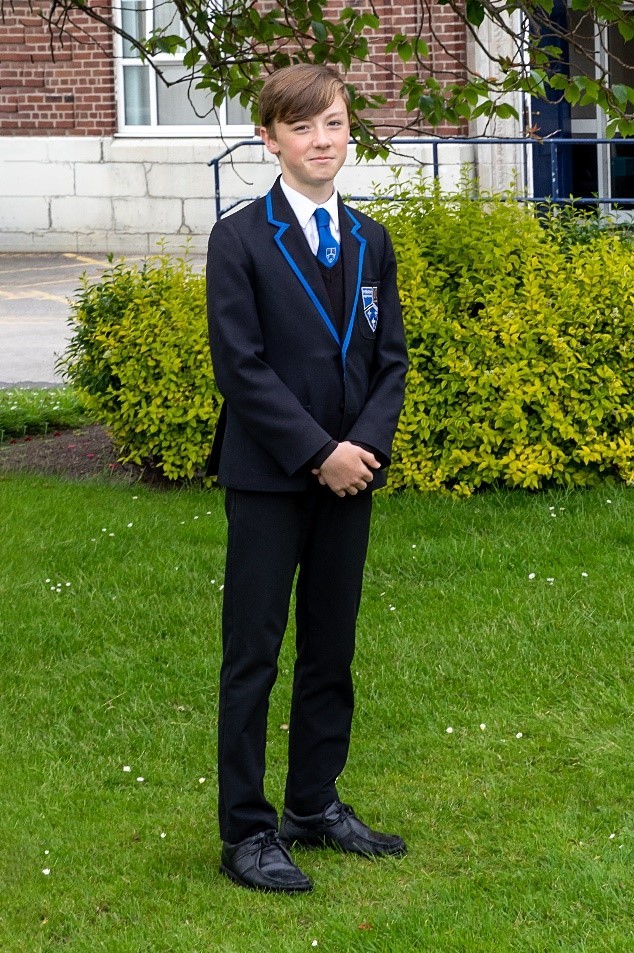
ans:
x=311 y=151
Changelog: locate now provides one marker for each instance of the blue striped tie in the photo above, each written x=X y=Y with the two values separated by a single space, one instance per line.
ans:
x=328 y=251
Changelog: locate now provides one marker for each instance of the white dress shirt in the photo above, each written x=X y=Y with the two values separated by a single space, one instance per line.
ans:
x=304 y=209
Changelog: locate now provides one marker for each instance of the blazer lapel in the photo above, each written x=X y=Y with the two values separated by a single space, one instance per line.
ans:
x=293 y=245
x=353 y=250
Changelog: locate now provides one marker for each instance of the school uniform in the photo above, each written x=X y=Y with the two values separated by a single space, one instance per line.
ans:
x=304 y=357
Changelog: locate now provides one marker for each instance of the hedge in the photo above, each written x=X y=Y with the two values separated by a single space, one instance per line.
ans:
x=139 y=359
x=520 y=328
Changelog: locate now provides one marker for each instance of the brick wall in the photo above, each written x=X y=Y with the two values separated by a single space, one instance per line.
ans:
x=446 y=39
x=50 y=86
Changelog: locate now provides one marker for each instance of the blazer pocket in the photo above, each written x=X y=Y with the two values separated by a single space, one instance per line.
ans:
x=368 y=311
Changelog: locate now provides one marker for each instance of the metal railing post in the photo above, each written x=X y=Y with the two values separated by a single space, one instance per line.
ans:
x=554 y=178
x=435 y=142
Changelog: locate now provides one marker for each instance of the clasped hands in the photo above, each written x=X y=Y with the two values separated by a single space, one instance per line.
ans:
x=348 y=469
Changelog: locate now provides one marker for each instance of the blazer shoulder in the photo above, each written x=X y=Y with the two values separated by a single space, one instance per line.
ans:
x=243 y=220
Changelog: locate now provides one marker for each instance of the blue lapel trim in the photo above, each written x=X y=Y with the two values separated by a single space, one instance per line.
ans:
x=281 y=229
x=362 y=244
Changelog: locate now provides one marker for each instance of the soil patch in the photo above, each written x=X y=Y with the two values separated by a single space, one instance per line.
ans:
x=87 y=452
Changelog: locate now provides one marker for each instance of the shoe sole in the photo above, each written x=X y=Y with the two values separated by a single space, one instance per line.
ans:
x=262 y=889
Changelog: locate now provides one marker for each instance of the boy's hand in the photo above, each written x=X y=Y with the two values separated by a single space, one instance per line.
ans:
x=348 y=469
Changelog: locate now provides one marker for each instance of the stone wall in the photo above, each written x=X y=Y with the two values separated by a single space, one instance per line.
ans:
x=126 y=195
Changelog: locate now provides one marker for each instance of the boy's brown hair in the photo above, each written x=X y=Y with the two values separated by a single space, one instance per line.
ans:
x=298 y=92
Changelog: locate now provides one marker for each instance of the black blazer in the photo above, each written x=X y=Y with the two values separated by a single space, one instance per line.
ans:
x=290 y=383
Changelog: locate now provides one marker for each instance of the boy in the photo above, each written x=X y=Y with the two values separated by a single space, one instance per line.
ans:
x=309 y=354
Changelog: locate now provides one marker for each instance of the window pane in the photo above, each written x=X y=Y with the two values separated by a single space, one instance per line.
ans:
x=174 y=105
x=133 y=22
x=621 y=60
x=166 y=15
x=136 y=94
x=238 y=115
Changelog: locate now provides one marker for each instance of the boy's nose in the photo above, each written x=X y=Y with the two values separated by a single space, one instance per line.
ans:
x=321 y=137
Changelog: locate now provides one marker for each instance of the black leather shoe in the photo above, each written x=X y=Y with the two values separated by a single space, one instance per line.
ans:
x=263 y=863
x=338 y=826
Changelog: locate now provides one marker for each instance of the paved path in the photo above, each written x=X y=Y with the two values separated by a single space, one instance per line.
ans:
x=35 y=289
x=34 y=309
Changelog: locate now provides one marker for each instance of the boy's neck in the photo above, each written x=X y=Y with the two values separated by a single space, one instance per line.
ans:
x=319 y=194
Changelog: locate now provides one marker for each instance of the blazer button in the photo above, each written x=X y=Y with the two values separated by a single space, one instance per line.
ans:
x=342 y=406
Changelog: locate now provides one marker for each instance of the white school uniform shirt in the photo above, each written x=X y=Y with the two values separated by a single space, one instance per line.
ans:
x=304 y=209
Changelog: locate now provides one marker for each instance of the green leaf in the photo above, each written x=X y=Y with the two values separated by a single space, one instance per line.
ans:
x=370 y=20
x=405 y=51
x=506 y=111
x=626 y=29
x=475 y=12
x=319 y=31
x=621 y=93
x=558 y=81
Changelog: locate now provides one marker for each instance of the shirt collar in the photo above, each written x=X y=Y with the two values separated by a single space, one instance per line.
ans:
x=304 y=208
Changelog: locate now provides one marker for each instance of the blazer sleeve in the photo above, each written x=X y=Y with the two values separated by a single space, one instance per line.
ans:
x=267 y=409
x=376 y=424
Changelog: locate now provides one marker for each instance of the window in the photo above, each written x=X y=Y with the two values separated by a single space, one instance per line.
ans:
x=146 y=105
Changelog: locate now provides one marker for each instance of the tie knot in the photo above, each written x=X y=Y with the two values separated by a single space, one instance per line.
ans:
x=322 y=217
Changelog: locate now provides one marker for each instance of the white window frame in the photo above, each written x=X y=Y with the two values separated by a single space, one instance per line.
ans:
x=596 y=128
x=222 y=130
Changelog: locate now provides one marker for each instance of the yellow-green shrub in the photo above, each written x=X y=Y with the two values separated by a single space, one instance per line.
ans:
x=520 y=334
x=139 y=358
x=521 y=344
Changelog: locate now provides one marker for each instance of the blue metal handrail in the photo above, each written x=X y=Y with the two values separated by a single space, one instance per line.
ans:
x=553 y=144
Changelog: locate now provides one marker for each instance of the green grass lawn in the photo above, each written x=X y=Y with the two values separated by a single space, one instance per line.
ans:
x=25 y=410
x=506 y=618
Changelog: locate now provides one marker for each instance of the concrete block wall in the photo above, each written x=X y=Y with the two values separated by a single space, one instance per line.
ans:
x=127 y=195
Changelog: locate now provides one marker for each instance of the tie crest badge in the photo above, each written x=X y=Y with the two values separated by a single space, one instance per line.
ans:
x=370 y=298
x=331 y=255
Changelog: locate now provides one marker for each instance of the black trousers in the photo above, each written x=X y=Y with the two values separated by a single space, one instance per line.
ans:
x=270 y=536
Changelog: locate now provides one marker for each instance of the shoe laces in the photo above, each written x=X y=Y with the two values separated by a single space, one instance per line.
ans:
x=344 y=810
x=271 y=841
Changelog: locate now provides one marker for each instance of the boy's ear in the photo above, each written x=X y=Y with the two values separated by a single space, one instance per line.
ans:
x=269 y=141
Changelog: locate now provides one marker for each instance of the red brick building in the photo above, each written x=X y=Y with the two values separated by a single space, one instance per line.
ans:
x=97 y=154
x=50 y=86
x=52 y=83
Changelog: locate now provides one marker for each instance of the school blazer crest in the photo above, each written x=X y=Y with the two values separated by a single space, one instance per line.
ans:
x=290 y=379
